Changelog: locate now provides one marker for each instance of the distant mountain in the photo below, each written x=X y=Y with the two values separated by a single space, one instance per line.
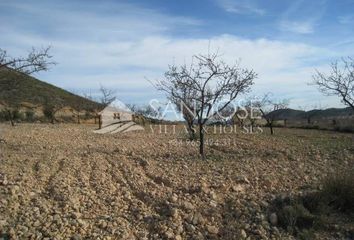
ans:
x=291 y=114
x=18 y=89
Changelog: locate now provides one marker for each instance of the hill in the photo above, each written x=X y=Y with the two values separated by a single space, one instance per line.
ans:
x=21 y=90
x=292 y=114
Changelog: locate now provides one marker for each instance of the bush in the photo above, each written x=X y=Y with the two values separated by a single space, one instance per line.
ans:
x=49 y=113
x=301 y=215
x=296 y=215
x=345 y=129
x=17 y=115
x=29 y=115
x=338 y=191
x=3 y=115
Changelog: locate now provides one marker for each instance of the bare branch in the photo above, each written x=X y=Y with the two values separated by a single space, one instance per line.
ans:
x=107 y=96
x=206 y=87
x=35 y=61
x=340 y=81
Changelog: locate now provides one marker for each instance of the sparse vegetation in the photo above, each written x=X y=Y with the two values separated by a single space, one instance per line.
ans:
x=152 y=184
x=313 y=211
x=338 y=190
x=30 y=115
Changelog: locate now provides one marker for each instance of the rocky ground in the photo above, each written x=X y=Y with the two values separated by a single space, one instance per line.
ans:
x=64 y=181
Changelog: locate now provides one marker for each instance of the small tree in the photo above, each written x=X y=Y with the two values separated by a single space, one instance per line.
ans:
x=79 y=106
x=181 y=95
x=267 y=107
x=339 y=82
x=51 y=107
x=107 y=96
x=142 y=113
x=214 y=83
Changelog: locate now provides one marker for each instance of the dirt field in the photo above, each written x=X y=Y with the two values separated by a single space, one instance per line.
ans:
x=63 y=181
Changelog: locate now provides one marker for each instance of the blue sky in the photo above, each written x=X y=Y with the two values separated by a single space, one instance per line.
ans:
x=120 y=44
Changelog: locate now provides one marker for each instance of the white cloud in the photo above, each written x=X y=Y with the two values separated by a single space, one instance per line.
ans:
x=297 y=27
x=120 y=50
x=347 y=19
x=240 y=7
x=124 y=65
x=302 y=16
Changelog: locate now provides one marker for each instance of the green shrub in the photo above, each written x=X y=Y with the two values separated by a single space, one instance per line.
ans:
x=49 y=113
x=29 y=115
x=17 y=115
x=3 y=115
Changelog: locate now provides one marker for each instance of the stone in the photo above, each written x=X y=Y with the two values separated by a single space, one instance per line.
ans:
x=174 y=198
x=76 y=237
x=273 y=219
x=212 y=229
x=3 y=223
x=213 y=195
x=15 y=189
x=213 y=203
x=188 y=205
x=174 y=213
x=243 y=234
x=190 y=227
x=144 y=163
x=242 y=179
x=178 y=237
x=238 y=188
x=169 y=234
x=5 y=182
x=197 y=218
x=76 y=215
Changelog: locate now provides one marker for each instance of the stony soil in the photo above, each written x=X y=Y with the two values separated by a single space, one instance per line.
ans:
x=63 y=181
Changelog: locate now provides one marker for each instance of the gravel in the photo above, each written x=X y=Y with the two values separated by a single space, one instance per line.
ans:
x=65 y=182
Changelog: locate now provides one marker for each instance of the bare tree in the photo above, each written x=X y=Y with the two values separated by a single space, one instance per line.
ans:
x=35 y=61
x=267 y=107
x=226 y=115
x=145 y=112
x=181 y=95
x=340 y=81
x=214 y=84
x=107 y=96
x=78 y=107
x=249 y=114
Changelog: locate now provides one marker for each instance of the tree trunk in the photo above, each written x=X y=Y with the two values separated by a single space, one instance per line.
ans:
x=191 y=131
x=271 y=129
x=201 y=140
x=99 y=122
x=11 y=118
x=12 y=122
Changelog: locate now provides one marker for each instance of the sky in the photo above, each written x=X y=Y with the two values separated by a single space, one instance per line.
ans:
x=123 y=45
